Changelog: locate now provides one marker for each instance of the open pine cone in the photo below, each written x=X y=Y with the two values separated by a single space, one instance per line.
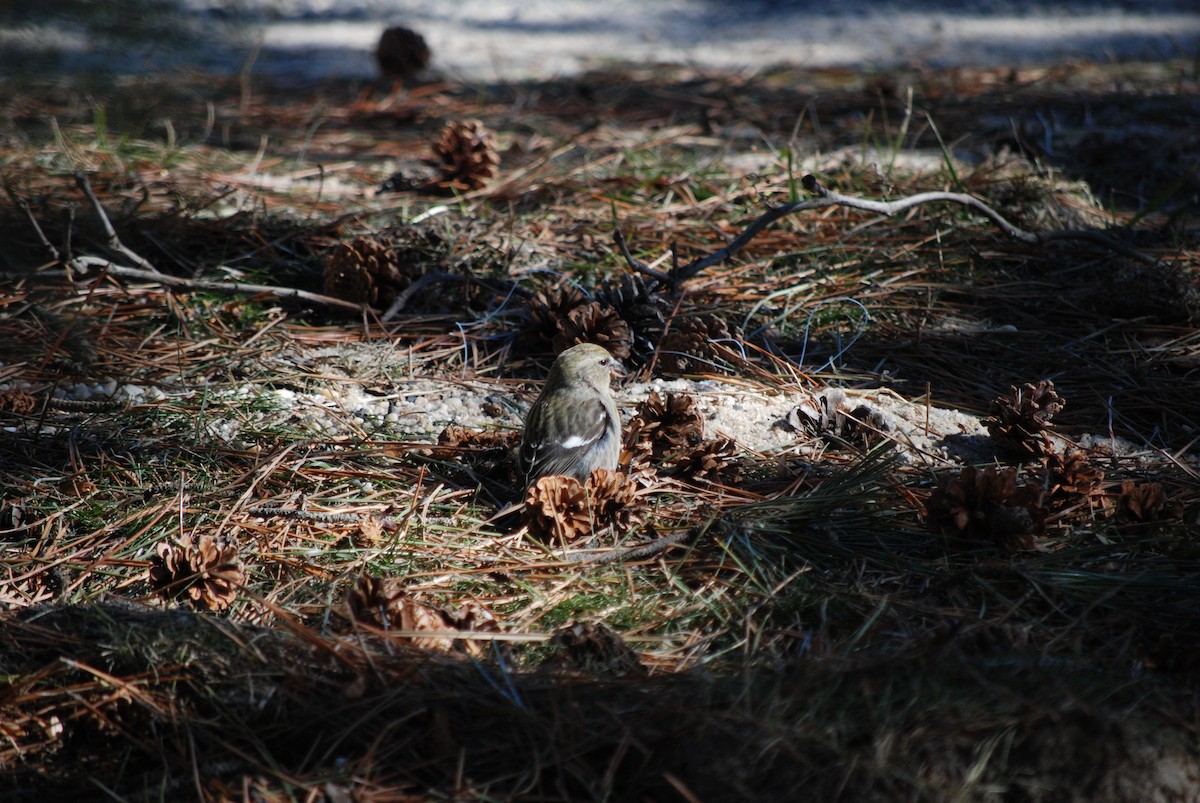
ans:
x=594 y=323
x=1146 y=502
x=664 y=425
x=645 y=306
x=694 y=344
x=382 y=602
x=1019 y=421
x=368 y=271
x=456 y=440
x=467 y=153
x=547 y=308
x=488 y=454
x=207 y=572
x=987 y=504
x=17 y=402
x=613 y=496
x=557 y=509
x=376 y=601
x=1071 y=476
x=711 y=460
x=594 y=648
x=828 y=413
x=563 y=509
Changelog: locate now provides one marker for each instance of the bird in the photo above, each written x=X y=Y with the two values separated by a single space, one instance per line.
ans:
x=574 y=427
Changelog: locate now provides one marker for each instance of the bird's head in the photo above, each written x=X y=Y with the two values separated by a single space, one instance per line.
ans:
x=587 y=363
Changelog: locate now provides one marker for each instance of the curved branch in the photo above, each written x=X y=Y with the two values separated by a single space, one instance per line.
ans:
x=827 y=198
x=635 y=265
x=1031 y=237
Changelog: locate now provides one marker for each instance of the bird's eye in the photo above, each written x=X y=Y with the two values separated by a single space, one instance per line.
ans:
x=605 y=361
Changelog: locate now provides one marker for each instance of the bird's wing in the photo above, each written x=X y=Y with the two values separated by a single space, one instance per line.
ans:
x=560 y=451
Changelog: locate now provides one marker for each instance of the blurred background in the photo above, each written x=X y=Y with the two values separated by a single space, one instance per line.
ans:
x=487 y=40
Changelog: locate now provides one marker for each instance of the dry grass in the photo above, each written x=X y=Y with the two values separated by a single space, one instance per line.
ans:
x=810 y=632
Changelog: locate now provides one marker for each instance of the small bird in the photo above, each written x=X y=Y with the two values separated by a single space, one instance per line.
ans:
x=574 y=428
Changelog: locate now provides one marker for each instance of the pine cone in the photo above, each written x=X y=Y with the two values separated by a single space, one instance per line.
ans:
x=489 y=454
x=594 y=323
x=383 y=603
x=17 y=402
x=563 y=509
x=665 y=425
x=548 y=307
x=694 y=344
x=645 y=308
x=827 y=414
x=369 y=271
x=376 y=600
x=1145 y=502
x=556 y=509
x=467 y=153
x=207 y=573
x=987 y=505
x=401 y=52
x=593 y=647
x=1071 y=475
x=612 y=496
x=709 y=460
x=368 y=533
x=455 y=440
x=1018 y=422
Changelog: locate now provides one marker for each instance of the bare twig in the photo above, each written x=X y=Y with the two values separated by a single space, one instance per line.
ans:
x=321 y=516
x=23 y=205
x=114 y=242
x=1031 y=237
x=640 y=267
x=83 y=265
x=86 y=405
x=638 y=552
x=827 y=197
x=146 y=271
x=403 y=297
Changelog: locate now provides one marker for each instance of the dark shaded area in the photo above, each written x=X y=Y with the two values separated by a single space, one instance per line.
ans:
x=106 y=38
x=206 y=710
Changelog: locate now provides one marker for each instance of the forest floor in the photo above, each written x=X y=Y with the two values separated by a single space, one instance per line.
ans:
x=910 y=504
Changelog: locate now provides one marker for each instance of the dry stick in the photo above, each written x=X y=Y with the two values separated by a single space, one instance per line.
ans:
x=23 y=205
x=84 y=264
x=420 y=284
x=640 y=267
x=827 y=197
x=114 y=242
x=86 y=405
x=1031 y=237
x=148 y=272
x=322 y=516
x=57 y=256
x=638 y=552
